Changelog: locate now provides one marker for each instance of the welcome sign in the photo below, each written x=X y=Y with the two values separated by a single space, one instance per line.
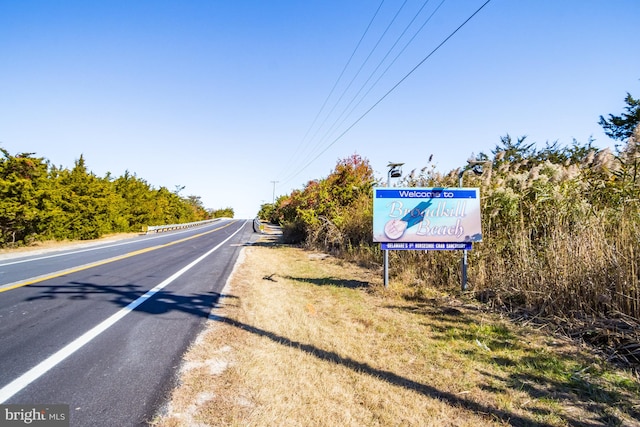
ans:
x=406 y=218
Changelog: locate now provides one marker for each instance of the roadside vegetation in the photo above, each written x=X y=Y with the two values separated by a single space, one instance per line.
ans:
x=561 y=227
x=40 y=202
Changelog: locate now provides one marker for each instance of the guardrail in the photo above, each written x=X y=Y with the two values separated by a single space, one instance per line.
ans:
x=169 y=227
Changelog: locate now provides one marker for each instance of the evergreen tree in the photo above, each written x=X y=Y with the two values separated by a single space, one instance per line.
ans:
x=89 y=204
x=22 y=184
x=623 y=126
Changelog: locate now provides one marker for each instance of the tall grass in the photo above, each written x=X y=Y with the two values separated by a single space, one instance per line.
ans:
x=558 y=238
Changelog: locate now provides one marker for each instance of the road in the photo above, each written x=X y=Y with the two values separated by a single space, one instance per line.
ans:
x=103 y=328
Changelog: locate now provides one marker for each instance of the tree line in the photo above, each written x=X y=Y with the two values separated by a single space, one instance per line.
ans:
x=561 y=224
x=39 y=201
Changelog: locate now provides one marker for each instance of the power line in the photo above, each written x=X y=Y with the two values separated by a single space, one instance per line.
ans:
x=385 y=70
x=335 y=123
x=344 y=69
x=394 y=87
x=344 y=92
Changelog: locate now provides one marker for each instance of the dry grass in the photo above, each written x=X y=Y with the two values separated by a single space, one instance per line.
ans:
x=302 y=339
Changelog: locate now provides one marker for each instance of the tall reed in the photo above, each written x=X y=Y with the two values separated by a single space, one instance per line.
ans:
x=558 y=239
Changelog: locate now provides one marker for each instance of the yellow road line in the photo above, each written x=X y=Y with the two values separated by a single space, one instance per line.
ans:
x=10 y=286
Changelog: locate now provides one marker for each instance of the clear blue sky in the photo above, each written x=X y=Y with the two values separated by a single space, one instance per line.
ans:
x=221 y=96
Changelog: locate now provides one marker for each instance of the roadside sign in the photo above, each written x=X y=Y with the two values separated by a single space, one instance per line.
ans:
x=407 y=218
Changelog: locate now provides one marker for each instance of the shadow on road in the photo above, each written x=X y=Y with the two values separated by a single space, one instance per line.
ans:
x=195 y=304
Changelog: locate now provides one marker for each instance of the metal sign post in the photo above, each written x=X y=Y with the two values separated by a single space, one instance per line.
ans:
x=395 y=171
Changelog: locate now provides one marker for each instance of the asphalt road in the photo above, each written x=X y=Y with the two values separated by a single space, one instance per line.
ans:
x=103 y=329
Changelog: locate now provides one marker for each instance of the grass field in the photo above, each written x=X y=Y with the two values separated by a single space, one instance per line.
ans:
x=300 y=338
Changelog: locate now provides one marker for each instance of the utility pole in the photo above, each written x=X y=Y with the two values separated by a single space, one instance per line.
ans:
x=274 y=192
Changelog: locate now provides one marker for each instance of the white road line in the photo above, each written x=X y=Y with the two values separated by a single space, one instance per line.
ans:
x=43 y=367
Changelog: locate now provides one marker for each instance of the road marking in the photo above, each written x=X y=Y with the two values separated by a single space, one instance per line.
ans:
x=31 y=281
x=43 y=367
